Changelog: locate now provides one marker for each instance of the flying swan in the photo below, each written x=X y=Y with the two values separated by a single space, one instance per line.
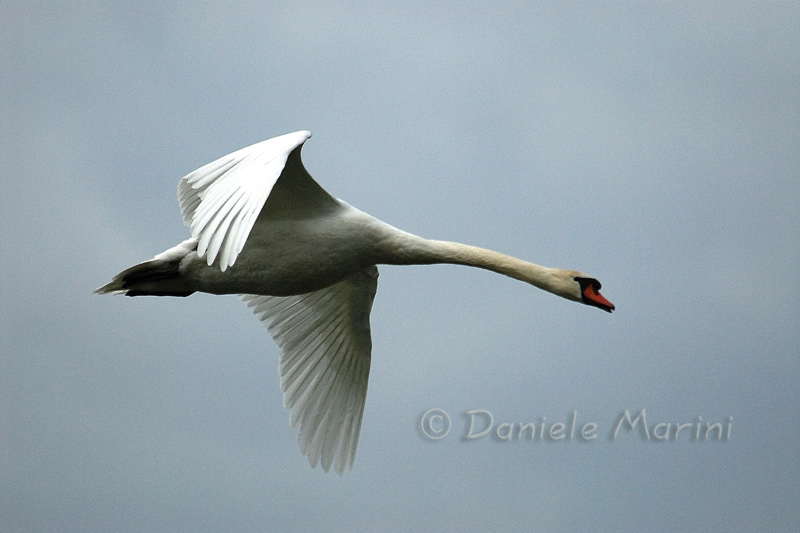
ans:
x=305 y=263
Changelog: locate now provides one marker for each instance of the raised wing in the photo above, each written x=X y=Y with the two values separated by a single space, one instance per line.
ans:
x=220 y=201
x=325 y=344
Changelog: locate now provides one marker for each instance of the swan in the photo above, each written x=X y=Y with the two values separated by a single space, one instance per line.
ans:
x=305 y=263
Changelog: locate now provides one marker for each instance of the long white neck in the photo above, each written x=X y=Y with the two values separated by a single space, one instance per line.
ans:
x=408 y=249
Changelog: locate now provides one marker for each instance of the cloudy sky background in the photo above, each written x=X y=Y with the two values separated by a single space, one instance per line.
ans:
x=654 y=146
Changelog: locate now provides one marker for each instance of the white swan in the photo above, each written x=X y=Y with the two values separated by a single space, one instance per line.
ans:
x=304 y=262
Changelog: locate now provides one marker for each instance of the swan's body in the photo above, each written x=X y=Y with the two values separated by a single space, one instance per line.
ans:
x=305 y=263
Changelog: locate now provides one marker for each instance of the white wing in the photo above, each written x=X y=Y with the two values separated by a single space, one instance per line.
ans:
x=221 y=200
x=325 y=344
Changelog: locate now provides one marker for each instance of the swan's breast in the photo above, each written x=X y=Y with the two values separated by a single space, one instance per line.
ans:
x=286 y=257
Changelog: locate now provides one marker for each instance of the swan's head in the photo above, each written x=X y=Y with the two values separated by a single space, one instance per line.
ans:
x=579 y=287
x=589 y=289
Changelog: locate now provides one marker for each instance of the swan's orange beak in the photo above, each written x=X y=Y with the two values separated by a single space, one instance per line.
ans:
x=593 y=297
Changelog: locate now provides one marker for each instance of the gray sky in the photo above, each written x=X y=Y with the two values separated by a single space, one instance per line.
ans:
x=655 y=146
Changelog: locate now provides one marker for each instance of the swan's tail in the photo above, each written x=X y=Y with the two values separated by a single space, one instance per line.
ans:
x=160 y=276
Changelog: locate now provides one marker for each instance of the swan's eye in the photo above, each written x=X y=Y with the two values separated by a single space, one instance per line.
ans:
x=584 y=282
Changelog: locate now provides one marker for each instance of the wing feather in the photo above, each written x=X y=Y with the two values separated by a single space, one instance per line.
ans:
x=221 y=201
x=325 y=344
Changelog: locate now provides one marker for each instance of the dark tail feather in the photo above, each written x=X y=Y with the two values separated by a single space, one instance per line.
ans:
x=151 y=278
